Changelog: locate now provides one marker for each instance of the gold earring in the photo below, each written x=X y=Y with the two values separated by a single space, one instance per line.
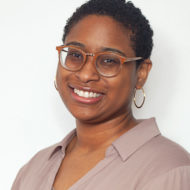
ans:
x=135 y=98
x=55 y=84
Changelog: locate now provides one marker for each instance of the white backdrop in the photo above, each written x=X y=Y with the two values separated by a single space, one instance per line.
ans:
x=32 y=113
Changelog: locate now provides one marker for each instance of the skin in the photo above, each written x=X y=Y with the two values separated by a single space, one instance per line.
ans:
x=99 y=124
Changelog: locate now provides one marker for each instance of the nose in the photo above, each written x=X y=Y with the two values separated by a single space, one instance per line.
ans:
x=88 y=72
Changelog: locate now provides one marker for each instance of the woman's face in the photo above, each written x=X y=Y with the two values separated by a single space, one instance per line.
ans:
x=92 y=34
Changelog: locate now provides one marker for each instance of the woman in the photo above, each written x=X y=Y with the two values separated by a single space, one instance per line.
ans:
x=104 y=60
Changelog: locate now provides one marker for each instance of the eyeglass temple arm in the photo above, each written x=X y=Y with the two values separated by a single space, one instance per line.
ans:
x=133 y=59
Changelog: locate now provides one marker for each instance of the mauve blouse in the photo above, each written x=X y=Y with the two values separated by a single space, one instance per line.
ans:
x=140 y=159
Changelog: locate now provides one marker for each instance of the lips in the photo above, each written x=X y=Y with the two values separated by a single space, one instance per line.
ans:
x=87 y=88
x=85 y=94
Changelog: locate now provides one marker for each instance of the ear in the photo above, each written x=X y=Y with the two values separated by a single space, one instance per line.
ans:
x=142 y=73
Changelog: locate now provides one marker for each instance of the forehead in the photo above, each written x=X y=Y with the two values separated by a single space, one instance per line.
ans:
x=95 y=31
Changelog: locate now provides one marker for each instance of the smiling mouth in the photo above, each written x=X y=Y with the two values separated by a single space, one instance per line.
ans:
x=86 y=94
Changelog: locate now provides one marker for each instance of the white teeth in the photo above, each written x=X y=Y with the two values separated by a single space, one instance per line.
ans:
x=81 y=93
x=91 y=94
x=86 y=94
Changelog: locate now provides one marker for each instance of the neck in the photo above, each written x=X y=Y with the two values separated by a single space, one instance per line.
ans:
x=91 y=137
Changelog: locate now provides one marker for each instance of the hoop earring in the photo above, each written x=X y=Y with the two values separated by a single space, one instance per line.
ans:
x=134 y=99
x=55 y=84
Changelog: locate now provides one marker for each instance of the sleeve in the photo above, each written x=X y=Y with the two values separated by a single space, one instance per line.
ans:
x=176 y=179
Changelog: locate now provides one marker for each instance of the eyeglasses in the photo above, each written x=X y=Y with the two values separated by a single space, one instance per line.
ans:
x=108 y=64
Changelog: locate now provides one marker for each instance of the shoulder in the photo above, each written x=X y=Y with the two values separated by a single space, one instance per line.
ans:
x=42 y=161
x=165 y=160
x=35 y=164
x=175 y=179
x=44 y=154
x=167 y=153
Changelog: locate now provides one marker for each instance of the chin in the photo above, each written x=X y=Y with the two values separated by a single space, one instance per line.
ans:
x=86 y=116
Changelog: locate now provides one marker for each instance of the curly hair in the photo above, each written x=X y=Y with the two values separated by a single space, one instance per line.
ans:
x=123 y=12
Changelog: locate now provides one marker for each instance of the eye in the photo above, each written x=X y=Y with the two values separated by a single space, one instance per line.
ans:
x=109 y=61
x=72 y=53
x=75 y=54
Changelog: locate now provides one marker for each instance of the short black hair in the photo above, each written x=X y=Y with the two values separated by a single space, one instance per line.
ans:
x=125 y=13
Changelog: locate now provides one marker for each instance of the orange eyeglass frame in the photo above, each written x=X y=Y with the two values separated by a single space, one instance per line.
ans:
x=123 y=59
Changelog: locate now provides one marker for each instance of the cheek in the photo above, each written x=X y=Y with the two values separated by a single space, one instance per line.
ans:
x=121 y=90
x=62 y=77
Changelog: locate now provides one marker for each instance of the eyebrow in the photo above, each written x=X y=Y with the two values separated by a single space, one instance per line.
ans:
x=113 y=50
x=102 y=49
x=75 y=44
